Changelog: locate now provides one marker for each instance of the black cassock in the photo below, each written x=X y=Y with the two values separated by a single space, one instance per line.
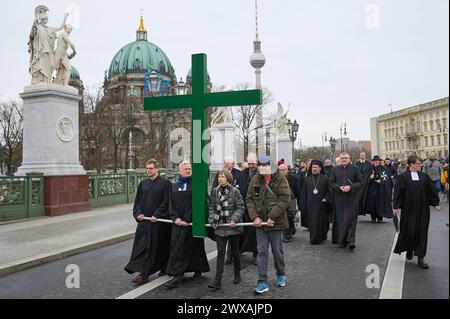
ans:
x=304 y=216
x=248 y=237
x=376 y=197
x=151 y=245
x=187 y=254
x=414 y=198
x=314 y=208
x=346 y=205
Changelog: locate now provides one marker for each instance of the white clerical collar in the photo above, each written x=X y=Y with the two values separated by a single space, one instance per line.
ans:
x=415 y=176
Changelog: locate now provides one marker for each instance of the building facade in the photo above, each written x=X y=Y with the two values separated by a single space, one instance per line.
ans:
x=417 y=130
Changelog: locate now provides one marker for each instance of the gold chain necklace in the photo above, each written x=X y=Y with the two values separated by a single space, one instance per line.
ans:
x=315 y=191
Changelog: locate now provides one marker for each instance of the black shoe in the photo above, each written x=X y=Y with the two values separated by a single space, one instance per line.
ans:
x=228 y=261
x=173 y=283
x=287 y=239
x=421 y=263
x=409 y=255
x=237 y=278
x=374 y=221
x=197 y=275
x=351 y=246
x=216 y=284
x=162 y=273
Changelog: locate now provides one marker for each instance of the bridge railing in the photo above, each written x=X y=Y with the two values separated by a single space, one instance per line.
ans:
x=22 y=196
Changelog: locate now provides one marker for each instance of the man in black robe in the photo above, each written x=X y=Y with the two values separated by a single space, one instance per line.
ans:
x=327 y=167
x=377 y=194
x=414 y=194
x=363 y=164
x=316 y=196
x=305 y=173
x=151 y=245
x=346 y=182
x=248 y=236
x=187 y=254
x=295 y=195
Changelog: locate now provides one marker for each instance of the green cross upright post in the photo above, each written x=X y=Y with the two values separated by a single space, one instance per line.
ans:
x=199 y=101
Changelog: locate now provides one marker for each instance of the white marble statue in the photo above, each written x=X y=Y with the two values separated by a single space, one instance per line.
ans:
x=62 y=59
x=41 y=45
x=281 y=122
x=222 y=115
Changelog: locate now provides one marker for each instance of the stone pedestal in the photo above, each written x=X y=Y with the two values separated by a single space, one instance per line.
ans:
x=51 y=146
x=284 y=150
x=50 y=131
x=66 y=194
x=222 y=144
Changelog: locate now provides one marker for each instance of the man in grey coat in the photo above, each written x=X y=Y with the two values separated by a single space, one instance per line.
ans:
x=432 y=167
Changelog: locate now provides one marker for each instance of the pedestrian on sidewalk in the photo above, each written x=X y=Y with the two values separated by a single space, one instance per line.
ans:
x=413 y=196
x=226 y=206
x=151 y=246
x=187 y=254
x=432 y=167
x=346 y=182
x=268 y=198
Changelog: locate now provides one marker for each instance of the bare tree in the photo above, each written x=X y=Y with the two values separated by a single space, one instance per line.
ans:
x=244 y=117
x=11 y=136
x=93 y=124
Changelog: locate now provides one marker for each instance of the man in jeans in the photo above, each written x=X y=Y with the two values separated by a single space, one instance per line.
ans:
x=432 y=167
x=268 y=198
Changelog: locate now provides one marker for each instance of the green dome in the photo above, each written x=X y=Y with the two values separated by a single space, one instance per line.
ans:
x=140 y=56
x=74 y=74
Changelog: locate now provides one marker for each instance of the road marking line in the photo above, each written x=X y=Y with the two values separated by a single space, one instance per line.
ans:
x=393 y=279
x=133 y=294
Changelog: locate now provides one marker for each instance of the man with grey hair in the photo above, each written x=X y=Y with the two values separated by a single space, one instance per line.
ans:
x=432 y=167
x=228 y=164
x=346 y=182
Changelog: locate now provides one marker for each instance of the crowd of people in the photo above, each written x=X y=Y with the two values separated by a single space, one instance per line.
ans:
x=270 y=195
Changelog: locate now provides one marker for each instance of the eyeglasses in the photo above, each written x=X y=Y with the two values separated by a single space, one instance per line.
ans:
x=418 y=163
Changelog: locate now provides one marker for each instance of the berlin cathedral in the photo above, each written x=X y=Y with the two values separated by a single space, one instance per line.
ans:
x=116 y=134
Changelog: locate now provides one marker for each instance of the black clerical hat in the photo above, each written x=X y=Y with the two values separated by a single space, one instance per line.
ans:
x=376 y=158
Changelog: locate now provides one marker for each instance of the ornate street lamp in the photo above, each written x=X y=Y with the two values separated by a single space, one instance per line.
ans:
x=155 y=83
x=324 y=139
x=343 y=130
x=333 y=143
x=292 y=129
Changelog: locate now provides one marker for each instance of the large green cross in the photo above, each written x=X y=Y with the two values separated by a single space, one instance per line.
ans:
x=199 y=101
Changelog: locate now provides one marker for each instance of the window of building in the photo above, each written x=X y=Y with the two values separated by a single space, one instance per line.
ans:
x=445 y=139
x=385 y=146
x=438 y=139
x=432 y=140
x=431 y=126
x=425 y=126
x=403 y=144
x=426 y=140
x=401 y=130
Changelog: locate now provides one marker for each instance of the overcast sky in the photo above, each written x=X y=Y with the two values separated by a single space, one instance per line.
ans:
x=335 y=61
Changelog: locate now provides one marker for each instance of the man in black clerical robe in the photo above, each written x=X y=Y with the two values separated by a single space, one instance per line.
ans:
x=303 y=176
x=346 y=182
x=315 y=201
x=377 y=194
x=187 y=254
x=295 y=195
x=151 y=245
x=414 y=194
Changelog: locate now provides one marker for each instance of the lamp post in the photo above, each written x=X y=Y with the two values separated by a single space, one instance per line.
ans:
x=333 y=143
x=155 y=80
x=292 y=129
x=268 y=141
x=343 y=131
x=324 y=139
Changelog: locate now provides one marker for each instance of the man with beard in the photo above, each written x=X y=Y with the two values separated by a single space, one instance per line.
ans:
x=151 y=245
x=346 y=182
x=315 y=196
x=414 y=195
x=187 y=254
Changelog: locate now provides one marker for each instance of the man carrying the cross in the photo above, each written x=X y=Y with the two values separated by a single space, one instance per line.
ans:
x=151 y=245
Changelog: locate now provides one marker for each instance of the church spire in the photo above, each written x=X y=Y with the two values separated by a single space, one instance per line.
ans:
x=141 y=33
